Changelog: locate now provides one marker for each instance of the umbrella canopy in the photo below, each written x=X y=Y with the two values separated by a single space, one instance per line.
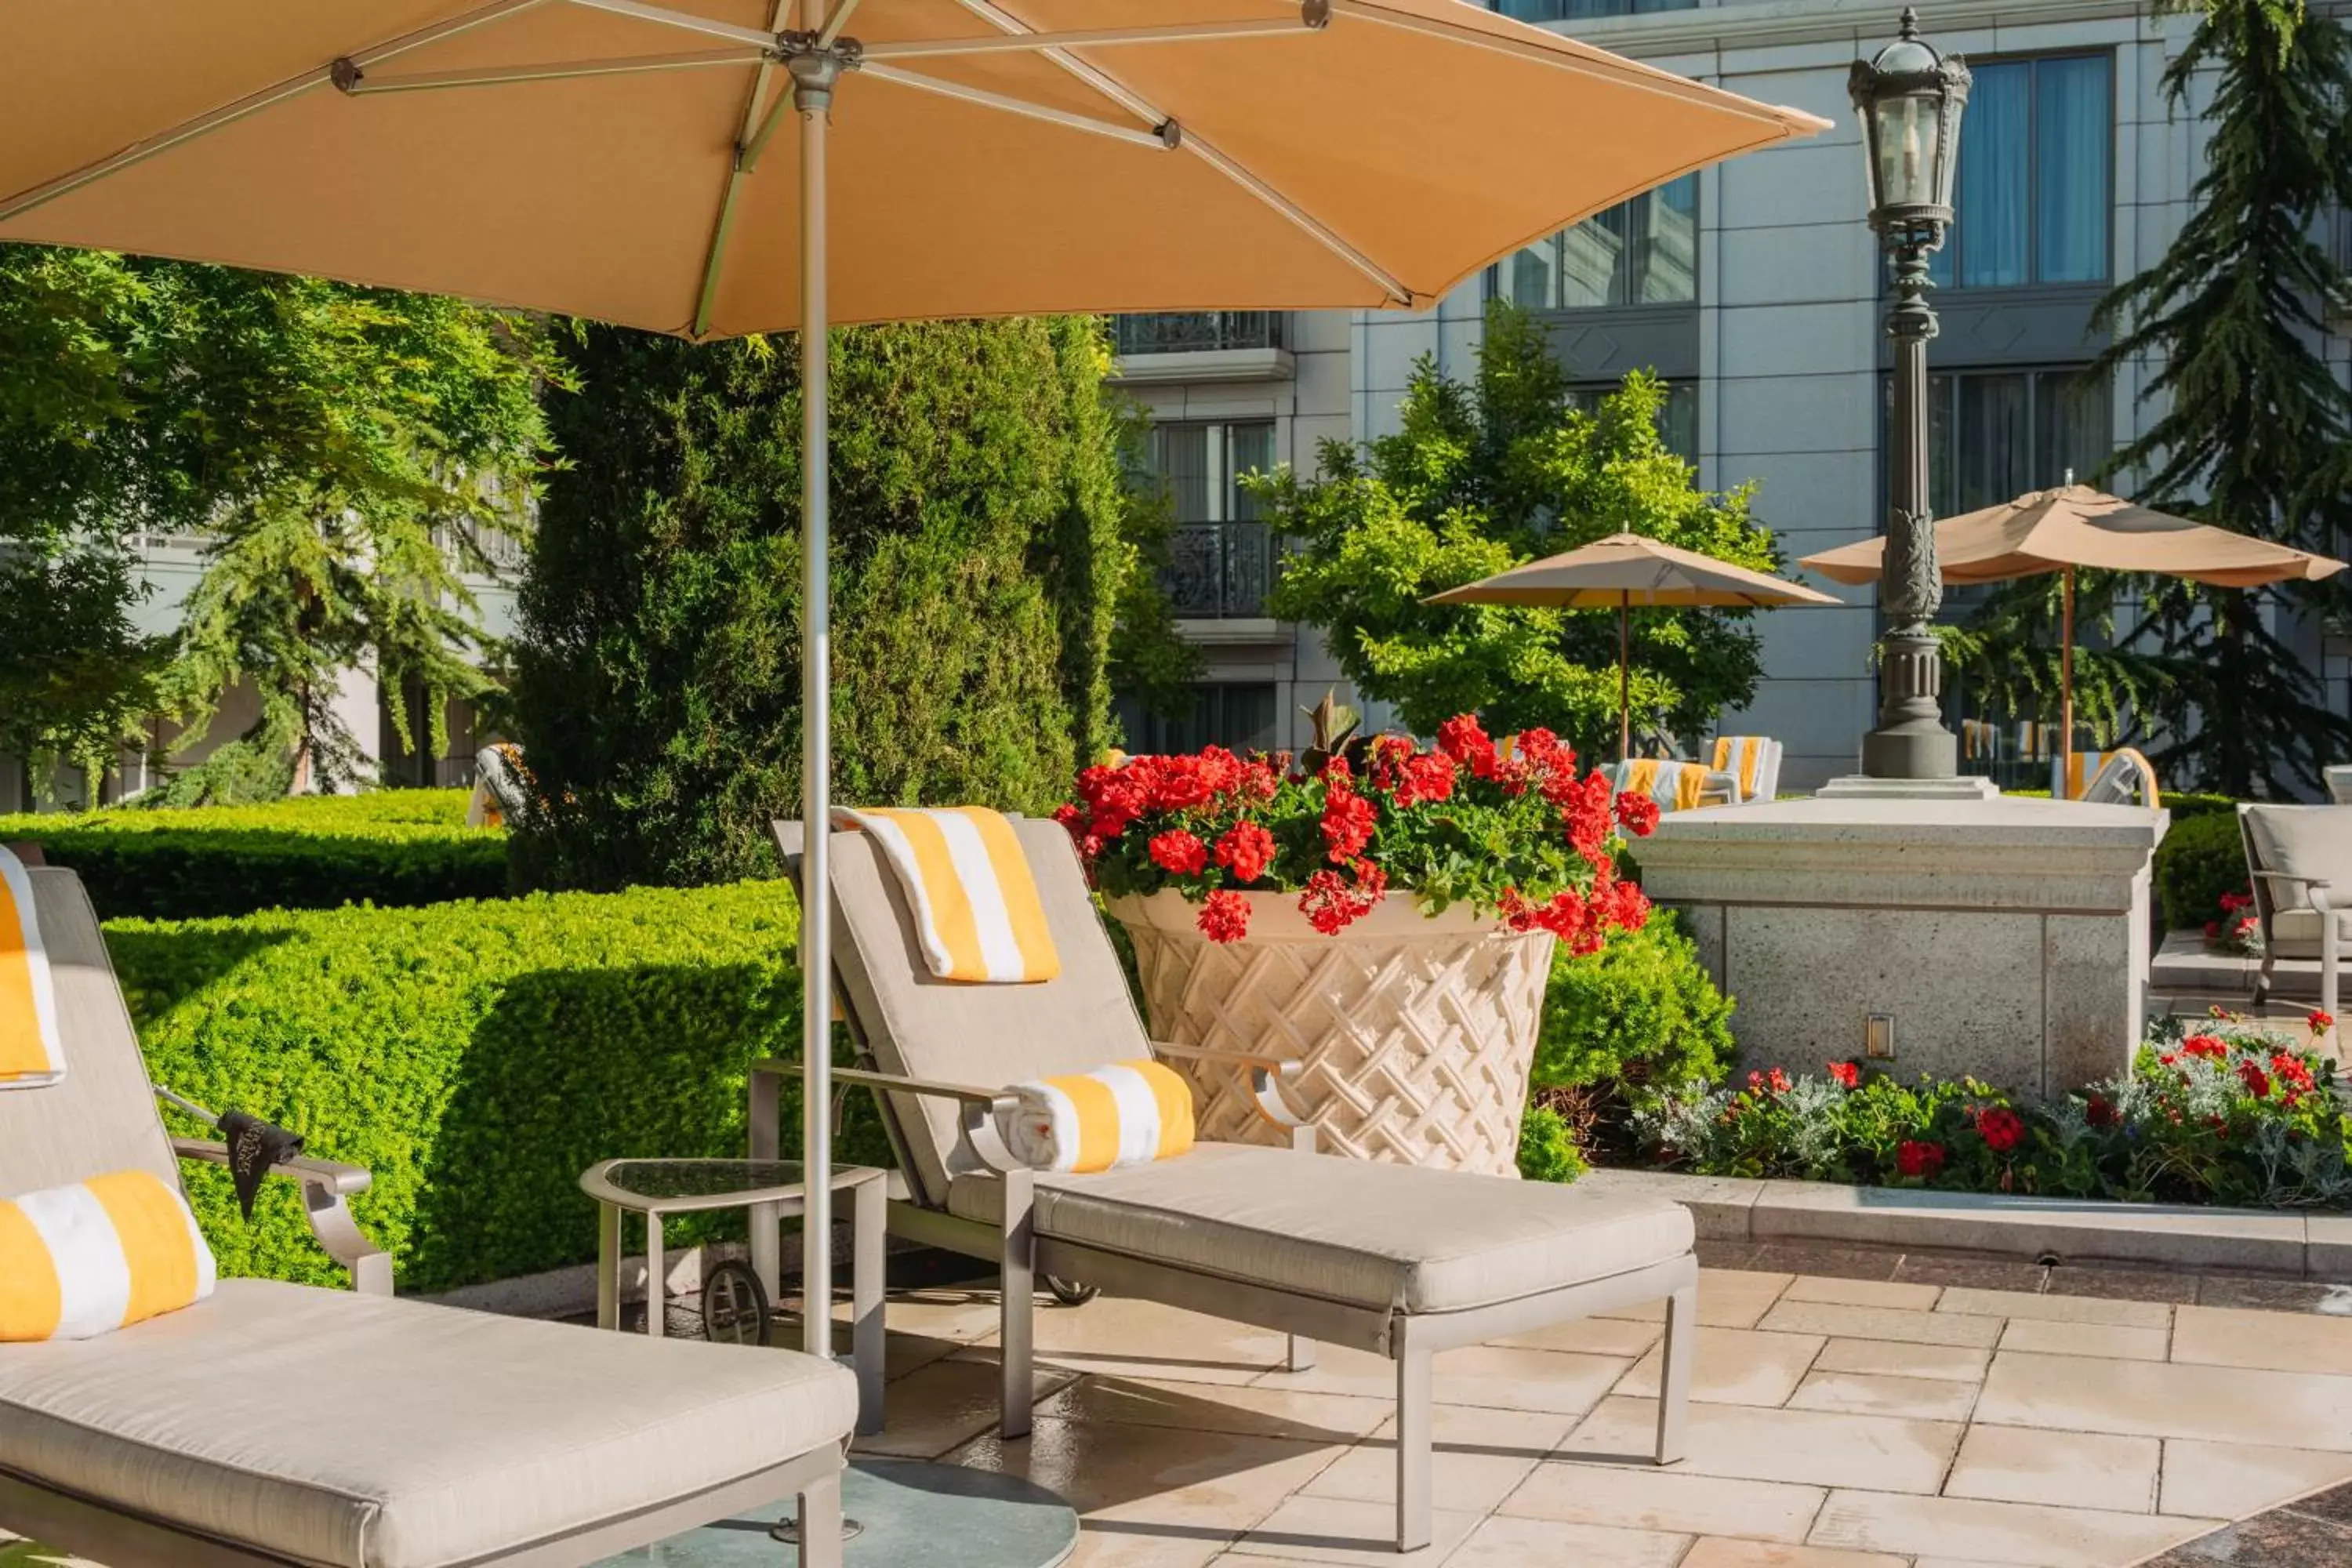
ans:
x=2074 y=526
x=1621 y=571
x=634 y=162
x=672 y=167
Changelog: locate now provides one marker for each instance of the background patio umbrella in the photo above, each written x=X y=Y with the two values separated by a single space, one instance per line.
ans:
x=2073 y=526
x=612 y=159
x=1621 y=571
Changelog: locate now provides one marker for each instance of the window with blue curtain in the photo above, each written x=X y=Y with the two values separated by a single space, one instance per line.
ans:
x=2031 y=202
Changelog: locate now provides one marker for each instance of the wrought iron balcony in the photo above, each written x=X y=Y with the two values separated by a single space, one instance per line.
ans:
x=1220 y=571
x=1197 y=331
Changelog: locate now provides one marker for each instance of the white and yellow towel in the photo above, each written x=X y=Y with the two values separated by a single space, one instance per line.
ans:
x=32 y=1051
x=1741 y=757
x=80 y=1261
x=1128 y=1113
x=976 y=909
x=1675 y=785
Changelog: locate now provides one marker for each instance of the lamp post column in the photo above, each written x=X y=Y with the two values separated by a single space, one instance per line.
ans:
x=1910 y=741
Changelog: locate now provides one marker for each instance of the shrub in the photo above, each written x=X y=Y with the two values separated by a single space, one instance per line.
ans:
x=977 y=566
x=475 y=1056
x=1548 y=1147
x=2230 y=1115
x=390 y=848
x=1642 y=1011
x=2201 y=859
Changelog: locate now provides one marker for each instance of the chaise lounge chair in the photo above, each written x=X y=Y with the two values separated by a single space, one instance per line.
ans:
x=276 y=1425
x=2299 y=860
x=1394 y=1259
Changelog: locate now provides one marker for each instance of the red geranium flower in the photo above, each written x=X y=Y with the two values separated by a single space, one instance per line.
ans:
x=1429 y=776
x=2291 y=1070
x=2100 y=1113
x=2320 y=1021
x=1921 y=1159
x=2257 y=1081
x=1180 y=852
x=1777 y=1083
x=2207 y=1046
x=1246 y=850
x=1347 y=819
x=1466 y=743
x=1846 y=1075
x=1629 y=907
x=1224 y=916
x=1638 y=813
x=2000 y=1128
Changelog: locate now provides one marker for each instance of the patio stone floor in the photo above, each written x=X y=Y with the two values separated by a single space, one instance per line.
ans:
x=1853 y=1409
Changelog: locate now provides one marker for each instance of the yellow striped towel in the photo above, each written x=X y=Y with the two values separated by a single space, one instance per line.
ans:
x=80 y=1261
x=1128 y=1113
x=32 y=1052
x=1750 y=751
x=1675 y=786
x=977 y=912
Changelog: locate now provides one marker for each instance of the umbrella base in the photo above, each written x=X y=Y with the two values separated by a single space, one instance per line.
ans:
x=1912 y=756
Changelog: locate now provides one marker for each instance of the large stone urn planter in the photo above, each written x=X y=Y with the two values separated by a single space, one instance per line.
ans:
x=1416 y=1032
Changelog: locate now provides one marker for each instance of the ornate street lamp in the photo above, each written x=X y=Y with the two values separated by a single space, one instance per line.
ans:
x=1910 y=99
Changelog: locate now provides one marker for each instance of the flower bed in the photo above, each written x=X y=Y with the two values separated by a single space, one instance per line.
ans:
x=2228 y=1115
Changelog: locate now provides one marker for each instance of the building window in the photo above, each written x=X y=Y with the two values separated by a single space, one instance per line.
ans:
x=1641 y=252
x=1677 y=421
x=1196 y=332
x=1993 y=435
x=1237 y=716
x=1222 y=555
x=1583 y=10
x=2037 y=148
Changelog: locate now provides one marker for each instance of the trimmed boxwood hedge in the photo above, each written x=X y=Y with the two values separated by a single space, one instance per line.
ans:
x=2199 y=859
x=475 y=1056
x=390 y=848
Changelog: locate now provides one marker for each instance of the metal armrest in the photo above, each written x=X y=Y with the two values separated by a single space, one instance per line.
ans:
x=976 y=1118
x=327 y=1188
x=2292 y=876
x=1266 y=1076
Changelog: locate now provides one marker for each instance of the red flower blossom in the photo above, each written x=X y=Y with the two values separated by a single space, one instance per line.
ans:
x=1629 y=907
x=1180 y=852
x=1637 y=813
x=1331 y=906
x=1466 y=743
x=2291 y=1070
x=2101 y=1112
x=2232 y=902
x=1246 y=850
x=1920 y=1159
x=1777 y=1083
x=1347 y=817
x=1426 y=777
x=1846 y=1075
x=2209 y=1047
x=2257 y=1081
x=2320 y=1021
x=2000 y=1128
x=1224 y=916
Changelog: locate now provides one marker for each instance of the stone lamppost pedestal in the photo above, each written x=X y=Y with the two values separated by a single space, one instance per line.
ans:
x=2006 y=937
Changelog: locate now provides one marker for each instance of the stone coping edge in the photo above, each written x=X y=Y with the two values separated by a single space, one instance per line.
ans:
x=2294 y=1243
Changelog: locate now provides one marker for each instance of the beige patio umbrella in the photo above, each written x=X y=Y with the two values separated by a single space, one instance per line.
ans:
x=2074 y=526
x=1621 y=571
x=667 y=167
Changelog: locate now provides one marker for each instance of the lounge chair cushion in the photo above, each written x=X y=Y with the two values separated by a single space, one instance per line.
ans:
x=1364 y=1233
x=2303 y=841
x=2294 y=933
x=363 y=1431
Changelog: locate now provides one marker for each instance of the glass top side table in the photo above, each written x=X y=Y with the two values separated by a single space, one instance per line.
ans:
x=773 y=1191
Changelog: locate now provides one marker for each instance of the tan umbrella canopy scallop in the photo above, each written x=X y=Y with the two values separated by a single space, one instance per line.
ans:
x=1626 y=570
x=2076 y=526
x=708 y=167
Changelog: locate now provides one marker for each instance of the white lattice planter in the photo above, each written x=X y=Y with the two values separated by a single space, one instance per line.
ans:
x=1417 y=1032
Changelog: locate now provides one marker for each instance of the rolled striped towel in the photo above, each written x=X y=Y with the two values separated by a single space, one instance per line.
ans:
x=1128 y=1113
x=32 y=1051
x=84 y=1260
x=977 y=914
x=1748 y=751
x=1675 y=785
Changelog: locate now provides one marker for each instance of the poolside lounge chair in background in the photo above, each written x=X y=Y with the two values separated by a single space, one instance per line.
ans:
x=272 y=1424
x=2120 y=777
x=2299 y=860
x=1675 y=785
x=1394 y=1259
x=1753 y=762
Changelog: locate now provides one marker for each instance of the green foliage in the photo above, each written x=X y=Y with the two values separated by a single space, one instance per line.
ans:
x=1642 y=1011
x=1151 y=663
x=2201 y=858
x=977 y=568
x=1548 y=1147
x=395 y=847
x=1486 y=475
x=2254 y=426
x=319 y=434
x=2236 y=1116
x=477 y=1058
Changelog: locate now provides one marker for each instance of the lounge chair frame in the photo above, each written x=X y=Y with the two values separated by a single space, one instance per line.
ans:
x=1411 y=1340
x=2321 y=896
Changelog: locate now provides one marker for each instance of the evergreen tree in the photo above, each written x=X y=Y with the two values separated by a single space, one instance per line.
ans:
x=977 y=568
x=2255 y=431
x=1486 y=475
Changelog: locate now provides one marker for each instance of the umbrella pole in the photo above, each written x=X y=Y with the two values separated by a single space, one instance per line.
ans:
x=1624 y=679
x=2066 y=692
x=813 y=78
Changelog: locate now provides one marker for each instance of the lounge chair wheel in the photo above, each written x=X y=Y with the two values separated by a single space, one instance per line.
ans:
x=734 y=1306
x=1069 y=1292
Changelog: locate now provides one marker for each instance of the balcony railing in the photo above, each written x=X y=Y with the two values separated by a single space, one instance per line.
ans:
x=1220 y=571
x=1197 y=331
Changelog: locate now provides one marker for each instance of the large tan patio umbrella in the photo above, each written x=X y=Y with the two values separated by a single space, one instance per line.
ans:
x=1621 y=571
x=667 y=167
x=2076 y=526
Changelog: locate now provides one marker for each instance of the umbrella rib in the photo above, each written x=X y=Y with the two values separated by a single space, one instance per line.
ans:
x=346 y=68
x=1098 y=38
x=1111 y=87
x=553 y=70
x=1164 y=140
x=739 y=169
